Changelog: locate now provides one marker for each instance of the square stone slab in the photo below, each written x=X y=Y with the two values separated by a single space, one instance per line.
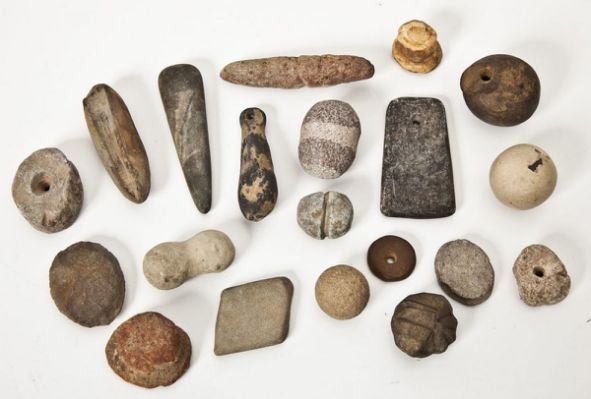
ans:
x=253 y=315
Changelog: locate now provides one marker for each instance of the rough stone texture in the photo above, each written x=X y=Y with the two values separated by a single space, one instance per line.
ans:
x=391 y=258
x=342 y=292
x=253 y=315
x=47 y=190
x=523 y=176
x=257 y=186
x=296 y=72
x=87 y=284
x=183 y=96
x=328 y=139
x=149 y=350
x=117 y=142
x=464 y=272
x=501 y=90
x=417 y=176
x=325 y=215
x=424 y=324
x=416 y=48
x=170 y=264
x=541 y=276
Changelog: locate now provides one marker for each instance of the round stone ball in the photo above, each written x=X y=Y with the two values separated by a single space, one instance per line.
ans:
x=342 y=292
x=501 y=89
x=523 y=176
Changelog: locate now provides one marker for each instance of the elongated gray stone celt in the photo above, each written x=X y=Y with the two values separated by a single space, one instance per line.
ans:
x=417 y=177
x=183 y=96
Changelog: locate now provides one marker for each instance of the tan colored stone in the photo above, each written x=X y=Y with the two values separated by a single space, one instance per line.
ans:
x=416 y=48
x=342 y=292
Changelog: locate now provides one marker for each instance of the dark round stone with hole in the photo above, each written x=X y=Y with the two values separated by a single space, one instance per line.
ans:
x=391 y=258
x=87 y=284
x=47 y=190
x=501 y=89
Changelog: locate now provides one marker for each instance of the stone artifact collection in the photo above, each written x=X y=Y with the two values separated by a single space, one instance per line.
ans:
x=149 y=350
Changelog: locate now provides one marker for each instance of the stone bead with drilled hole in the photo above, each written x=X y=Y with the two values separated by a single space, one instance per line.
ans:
x=342 y=292
x=391 y=258
x=328 y=139
x=47 y=190
x=464 y=272
x=501 y=89
x=523 y=176
x=541 y=276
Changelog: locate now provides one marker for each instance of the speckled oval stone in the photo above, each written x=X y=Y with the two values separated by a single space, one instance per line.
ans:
x=47 y=190
x=342 y=292
x=501 y=89
x=464 y=272
x=325 y=215
x=328 y=139
x=87 y=284
x=541 y=276
x=149 y=350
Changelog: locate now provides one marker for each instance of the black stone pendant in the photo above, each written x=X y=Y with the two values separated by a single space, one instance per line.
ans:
x=417 y=177
x=257 y=187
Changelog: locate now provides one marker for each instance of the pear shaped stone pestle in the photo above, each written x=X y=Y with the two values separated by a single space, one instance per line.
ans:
x=181 y=89
x=170 y=264
x=117 y=142
x=257 y=186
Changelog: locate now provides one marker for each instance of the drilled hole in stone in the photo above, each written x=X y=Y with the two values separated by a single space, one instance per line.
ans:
x=538 y=271
x=391 y=259
x=485 y=76
x=416 y=122
x=40 y=184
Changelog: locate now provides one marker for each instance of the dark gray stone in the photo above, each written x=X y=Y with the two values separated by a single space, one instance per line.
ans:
x=257 y=186
x=424 y=324
x=183 y=96
x=417 y=177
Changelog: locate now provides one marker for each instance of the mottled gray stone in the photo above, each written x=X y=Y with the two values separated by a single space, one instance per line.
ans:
x=417 y=177
x=170 y=264
x=464 y=272
x=47 y=190
x=257 y=185
x=325 y=215
x=183 y=96
x=253 y=315
x=424 y=324
x=541 y=276
x=328 y=139
x=117 y=142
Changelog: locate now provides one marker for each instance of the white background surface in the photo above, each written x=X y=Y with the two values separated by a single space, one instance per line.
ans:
x=52 y=52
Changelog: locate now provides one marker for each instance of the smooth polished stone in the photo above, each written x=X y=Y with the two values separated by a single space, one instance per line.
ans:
x=391 y=258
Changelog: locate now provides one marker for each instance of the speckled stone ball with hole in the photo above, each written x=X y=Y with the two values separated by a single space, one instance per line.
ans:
x=328 y=139
x=342 y=292
x=523 y=176
x=541 y=276
x=87 y=284
x=47 y=190
x=391 y=258
x=501 y=89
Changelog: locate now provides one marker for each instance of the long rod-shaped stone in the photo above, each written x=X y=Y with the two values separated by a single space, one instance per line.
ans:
x=257 y=186
x=117 y=142
x=181 y=89
x=296 y=72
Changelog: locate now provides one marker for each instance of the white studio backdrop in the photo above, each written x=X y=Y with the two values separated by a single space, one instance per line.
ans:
x=53 y=52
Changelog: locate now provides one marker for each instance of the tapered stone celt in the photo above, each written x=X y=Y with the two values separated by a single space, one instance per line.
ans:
x=257 y=187
x=183 y=96
x=117 y=142
x=417 y=178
